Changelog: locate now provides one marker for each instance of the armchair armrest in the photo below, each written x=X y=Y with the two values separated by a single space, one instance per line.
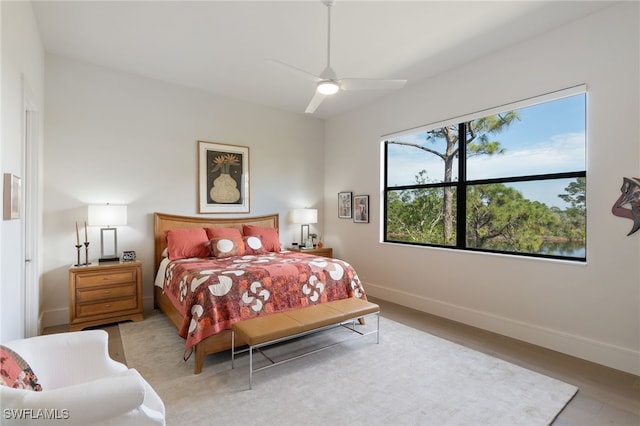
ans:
x=99 y=401
x=68 y=358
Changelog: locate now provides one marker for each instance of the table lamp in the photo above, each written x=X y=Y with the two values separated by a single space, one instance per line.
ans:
x=304 y=217
x=108 y=215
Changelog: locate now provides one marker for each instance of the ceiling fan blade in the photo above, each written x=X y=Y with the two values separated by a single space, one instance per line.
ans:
x=369 y=84
x=315 y=102
x=298 y=71
x=328 y=80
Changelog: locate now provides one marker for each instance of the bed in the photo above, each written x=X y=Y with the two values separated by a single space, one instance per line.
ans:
x=204 y=292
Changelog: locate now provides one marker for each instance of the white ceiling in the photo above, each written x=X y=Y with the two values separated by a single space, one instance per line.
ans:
x=221 y=46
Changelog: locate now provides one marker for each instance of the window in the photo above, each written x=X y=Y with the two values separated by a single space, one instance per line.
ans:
x=508 y=180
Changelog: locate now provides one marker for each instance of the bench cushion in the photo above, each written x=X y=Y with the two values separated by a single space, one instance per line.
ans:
x=264 y=329
x=316 y=316
x=354 y=308
x=267 y=328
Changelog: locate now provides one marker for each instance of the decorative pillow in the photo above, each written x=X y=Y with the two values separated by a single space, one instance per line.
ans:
x=223 y=247
x=269 y=236
x=187 y=242
x=253 y=245
x=15 y=372
x=229 y=233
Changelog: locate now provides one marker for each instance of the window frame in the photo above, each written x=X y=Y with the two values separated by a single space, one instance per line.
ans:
x=462 y=183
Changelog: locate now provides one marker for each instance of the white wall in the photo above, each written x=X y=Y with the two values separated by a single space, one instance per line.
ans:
x=588 y=310
x=22 y=64
x=118 y=138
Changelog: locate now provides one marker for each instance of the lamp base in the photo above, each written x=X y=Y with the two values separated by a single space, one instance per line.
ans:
x=108 y=259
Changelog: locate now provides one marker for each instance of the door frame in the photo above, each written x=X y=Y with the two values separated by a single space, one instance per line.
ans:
x=31 y=229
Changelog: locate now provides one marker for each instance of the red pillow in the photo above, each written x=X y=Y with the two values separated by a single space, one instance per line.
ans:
x=15 y=372
x=253 y=245
x=269 y=236
x=223 y=247
x=229 y=233
x=187 y=242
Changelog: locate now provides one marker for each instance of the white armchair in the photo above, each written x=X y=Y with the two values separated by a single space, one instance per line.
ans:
x=81 y=384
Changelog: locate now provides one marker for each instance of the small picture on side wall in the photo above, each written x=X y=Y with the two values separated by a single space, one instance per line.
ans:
x=361 y=209
x=344 y=205
x=12 y=197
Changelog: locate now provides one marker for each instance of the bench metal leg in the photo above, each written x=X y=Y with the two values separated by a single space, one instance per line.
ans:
x=233 y=357
x=250 y=367
x=258 y=346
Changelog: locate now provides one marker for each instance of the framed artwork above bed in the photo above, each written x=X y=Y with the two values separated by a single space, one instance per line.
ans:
x=223 y=178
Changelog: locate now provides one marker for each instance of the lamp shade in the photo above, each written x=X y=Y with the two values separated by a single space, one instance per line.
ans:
x=107 y=215
x=305 y=216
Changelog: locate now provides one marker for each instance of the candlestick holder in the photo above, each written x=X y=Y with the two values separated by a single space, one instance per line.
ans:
x=78 y=247
x=86 y=253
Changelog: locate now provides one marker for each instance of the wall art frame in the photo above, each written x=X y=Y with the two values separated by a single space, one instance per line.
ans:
x=223 y=178
x=12 y=200
x=361 y=209
x=344 y=205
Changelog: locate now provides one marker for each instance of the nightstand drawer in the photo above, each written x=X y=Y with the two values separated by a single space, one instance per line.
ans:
x=106 y=293
x=92 y=280
x=90 y=309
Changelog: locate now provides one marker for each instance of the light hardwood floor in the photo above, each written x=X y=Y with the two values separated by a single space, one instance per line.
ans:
x=605 y=397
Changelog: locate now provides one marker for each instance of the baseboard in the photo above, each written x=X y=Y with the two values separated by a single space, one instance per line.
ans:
x=54 y=317
x=603 y=353
x=40 y=323
x=147 y=303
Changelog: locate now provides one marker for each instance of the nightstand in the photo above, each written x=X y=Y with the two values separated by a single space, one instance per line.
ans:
x=324 y=251
x=104 y=293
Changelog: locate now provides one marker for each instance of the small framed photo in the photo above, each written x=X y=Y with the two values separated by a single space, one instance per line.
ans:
x=12 y=197
x=344 y=205
x=361 y=209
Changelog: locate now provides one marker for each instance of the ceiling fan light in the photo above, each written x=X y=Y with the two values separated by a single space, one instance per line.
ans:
x=328 y=87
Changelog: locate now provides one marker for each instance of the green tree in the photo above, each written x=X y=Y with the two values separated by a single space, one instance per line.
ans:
x=576 y=215
x=477 y=143
x=415 y=215
x=499 y=217
x=576 y=195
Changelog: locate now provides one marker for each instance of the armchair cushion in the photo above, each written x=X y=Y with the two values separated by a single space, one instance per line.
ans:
x=15 y=372
x=82 y=384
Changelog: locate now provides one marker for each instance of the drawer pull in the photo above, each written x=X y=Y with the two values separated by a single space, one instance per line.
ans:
x=107 y=292
x=107 y=305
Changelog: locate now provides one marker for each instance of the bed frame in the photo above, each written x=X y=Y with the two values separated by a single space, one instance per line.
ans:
x=163 y=222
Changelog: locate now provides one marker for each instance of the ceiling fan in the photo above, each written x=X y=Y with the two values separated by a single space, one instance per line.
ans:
x=328 y=83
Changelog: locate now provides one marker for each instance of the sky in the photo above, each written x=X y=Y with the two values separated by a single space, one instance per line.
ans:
x=548 y=138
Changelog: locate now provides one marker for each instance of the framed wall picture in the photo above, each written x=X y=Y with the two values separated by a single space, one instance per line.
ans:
x=344 y=205
x=361 y=209
x=12 y=199
x=223 y=178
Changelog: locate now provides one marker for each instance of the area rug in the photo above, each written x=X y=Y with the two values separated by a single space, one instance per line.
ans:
x=409 y=378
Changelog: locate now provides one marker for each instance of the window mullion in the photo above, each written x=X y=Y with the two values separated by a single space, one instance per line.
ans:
x=385 y=200
x=461 y=187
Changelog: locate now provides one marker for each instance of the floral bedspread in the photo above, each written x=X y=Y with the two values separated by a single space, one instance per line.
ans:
x=211 y=294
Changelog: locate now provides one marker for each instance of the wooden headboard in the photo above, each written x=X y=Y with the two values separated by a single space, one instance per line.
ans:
x=163 y=222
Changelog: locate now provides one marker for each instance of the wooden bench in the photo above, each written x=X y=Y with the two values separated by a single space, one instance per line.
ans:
x=270 y=329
